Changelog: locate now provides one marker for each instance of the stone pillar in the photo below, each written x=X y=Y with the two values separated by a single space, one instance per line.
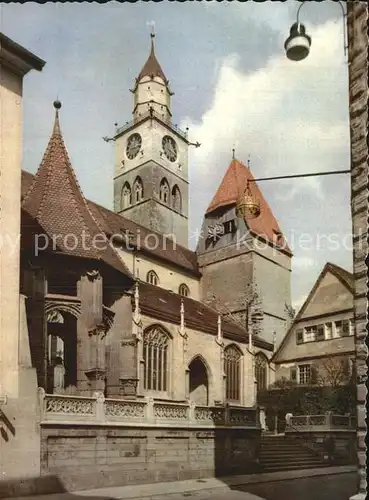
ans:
x=91 y=368
x=358 y=102
x=128 y=375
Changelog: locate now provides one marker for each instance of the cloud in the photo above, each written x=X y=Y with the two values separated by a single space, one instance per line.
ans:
x=288 y=118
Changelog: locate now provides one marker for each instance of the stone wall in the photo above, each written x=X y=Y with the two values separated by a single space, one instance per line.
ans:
x=358 y=96
x=92 y=442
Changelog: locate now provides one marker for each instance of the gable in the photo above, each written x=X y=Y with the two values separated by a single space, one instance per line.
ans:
x=330 y=296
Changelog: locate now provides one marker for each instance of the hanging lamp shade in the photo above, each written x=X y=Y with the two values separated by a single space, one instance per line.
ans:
x=297 y=45
x=248 y=206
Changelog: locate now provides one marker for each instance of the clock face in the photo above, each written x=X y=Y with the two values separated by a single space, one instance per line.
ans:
x=133 y=146
x=169 y=147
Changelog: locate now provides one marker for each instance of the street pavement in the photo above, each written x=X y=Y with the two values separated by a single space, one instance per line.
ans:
x=334 y=487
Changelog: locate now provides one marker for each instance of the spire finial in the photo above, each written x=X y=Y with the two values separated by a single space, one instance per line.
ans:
x=249 y=163
x=233 y=153
x=57 y=105
x=152 y=34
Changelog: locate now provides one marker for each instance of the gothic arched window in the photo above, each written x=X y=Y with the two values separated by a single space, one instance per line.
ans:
x=155 y=356
x=164 y=191
x=176 y=199
x=152 y=278
x=232 y=370
x=138 y=189
x=126 y=196
x=184 y=290
x=261 y=371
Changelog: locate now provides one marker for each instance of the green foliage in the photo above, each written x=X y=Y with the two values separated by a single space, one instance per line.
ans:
x=285 y=396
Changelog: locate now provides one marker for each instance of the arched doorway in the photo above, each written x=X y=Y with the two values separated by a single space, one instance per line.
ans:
x=198 y=382
x=62 y=352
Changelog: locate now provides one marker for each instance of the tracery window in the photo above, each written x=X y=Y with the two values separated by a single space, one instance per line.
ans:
x=184 y=290
x=232 y=370
x=138 y=189
x=176 y=199
x=155 y=355
x=126 y=196
x=164 y=191
x=152 y=278
x=261 y=371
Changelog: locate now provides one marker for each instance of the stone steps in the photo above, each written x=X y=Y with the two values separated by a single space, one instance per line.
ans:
x=278 y=453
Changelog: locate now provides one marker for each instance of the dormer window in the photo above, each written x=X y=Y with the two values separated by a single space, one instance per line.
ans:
x=152 y=278
x=184 y=290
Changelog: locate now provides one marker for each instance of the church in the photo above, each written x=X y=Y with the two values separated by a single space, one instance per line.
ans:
x=116 y=301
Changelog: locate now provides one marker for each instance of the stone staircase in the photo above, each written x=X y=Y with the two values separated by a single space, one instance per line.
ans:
x=279 y=452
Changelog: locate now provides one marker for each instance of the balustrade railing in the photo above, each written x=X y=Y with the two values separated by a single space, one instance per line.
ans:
x=100 y=410
x=327 y=421
x=152 y=114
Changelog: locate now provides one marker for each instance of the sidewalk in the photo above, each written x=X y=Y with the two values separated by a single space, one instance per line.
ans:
x=212 y=488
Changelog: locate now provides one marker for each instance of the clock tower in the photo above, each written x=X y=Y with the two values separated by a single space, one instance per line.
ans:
x=151 y=159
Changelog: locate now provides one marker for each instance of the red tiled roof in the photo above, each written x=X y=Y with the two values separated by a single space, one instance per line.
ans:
x=152 y=66
x=55 y=200
x=112 y=223
x=232 y=189
x=165 y=305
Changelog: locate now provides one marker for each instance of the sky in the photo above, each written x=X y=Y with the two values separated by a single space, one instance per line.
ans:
x=234 y=88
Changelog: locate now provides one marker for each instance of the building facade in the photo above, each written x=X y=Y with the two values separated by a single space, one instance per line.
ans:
x=358 y=101
x=319 y=347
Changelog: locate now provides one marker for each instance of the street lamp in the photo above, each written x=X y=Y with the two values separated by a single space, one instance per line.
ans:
x=248 y=206
x=297 y=45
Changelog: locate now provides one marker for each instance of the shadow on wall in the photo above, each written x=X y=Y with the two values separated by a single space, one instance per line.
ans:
x=5 y=427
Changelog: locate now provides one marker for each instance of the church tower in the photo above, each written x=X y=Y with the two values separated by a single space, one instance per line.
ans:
x=151 y=159
x=245 y=263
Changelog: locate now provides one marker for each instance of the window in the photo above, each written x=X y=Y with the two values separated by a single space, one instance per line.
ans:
x=232 y=367
x=176 y=199
x=293 y=374
x=155 y=356
x=352 y=327
x=138 y=189
x=152 y=278
x=328 y=330
x=310 y=333
x=261 y=371
x=320 y=332
x=184 y=290
x=230 y=226
x=304 y=374
x=126 y=196
x=164 y=191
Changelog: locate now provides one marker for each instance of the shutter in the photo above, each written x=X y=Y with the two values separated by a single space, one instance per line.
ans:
x=293 y=374
x=345 y=328
x=313 y=375
x=299 y=336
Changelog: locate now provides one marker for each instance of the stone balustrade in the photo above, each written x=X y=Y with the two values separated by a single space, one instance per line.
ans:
x=99 y=410
x=328 y=421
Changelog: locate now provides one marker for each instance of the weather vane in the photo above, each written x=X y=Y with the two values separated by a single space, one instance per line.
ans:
x=152 y=24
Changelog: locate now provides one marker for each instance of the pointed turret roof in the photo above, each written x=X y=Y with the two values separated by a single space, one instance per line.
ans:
x=56 y=202
x=152 y=66
x=232 y=189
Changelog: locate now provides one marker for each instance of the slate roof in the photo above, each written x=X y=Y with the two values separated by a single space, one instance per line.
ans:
x=112 y=223
x=55 y=200
x=232 y=189
x=164 y=304
x=152 y=67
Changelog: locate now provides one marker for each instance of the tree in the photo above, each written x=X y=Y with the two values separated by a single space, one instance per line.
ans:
x=333 y=372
